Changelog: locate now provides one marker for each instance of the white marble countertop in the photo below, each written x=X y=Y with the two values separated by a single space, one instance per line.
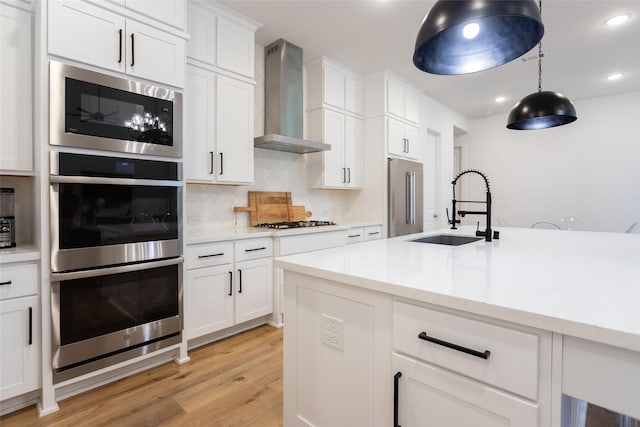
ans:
x=584 y=284
x=219 y=234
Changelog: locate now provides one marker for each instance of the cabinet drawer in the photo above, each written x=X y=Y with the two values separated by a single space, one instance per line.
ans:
x=18 y=280
x=372 y=232
x=312 y=242
x=209 y=254
x=512 y=356
x=254 y=248
x=355 y=235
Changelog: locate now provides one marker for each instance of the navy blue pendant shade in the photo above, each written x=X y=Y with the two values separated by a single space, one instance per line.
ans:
x=505 y=31
x=540 y=110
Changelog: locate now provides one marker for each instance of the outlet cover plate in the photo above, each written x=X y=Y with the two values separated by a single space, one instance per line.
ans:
x=332 y=331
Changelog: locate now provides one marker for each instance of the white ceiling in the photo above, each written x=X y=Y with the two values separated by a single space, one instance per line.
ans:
x=371 y=35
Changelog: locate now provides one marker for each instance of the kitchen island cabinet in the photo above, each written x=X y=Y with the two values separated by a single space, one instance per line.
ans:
x=524 y=302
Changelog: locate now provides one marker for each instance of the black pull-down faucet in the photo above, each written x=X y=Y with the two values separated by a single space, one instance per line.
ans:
x=488 y=234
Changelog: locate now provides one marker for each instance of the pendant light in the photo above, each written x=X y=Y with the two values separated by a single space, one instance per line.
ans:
x=466 y=36
x=542 y=109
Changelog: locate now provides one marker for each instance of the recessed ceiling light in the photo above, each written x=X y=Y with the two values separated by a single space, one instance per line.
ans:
x=614 y=76
x=617 y=20
x=501 y=99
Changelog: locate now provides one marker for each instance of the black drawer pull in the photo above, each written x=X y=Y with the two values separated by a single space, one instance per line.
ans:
x=133 y=51
x=120 y=45
x=230 y=283
x=256 y=249
x=240 y=280
x=212 y=255
x=374 y=233
x=8 y=282
x=483 y=355
x=396 y=380
x=353 y=235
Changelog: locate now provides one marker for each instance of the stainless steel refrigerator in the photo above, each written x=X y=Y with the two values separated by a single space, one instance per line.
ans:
x=405 y=197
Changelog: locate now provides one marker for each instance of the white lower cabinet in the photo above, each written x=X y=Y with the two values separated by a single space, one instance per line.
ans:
x=19 y=330
x=427 y=395
x=227 y=283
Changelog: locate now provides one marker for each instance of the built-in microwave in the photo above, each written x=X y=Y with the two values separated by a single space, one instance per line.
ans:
x=97 y=111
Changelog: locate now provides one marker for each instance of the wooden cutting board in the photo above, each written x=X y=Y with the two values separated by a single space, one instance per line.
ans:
x=268 y=207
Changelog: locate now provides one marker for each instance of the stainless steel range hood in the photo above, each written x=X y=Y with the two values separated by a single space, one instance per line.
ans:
x=283 y=101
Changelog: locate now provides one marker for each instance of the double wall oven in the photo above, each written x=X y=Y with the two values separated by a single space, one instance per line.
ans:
x=116 y=220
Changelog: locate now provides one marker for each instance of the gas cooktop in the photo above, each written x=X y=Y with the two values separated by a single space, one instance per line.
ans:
x=296 y=224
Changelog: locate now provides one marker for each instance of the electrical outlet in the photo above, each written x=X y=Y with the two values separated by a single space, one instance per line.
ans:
x=332 y=331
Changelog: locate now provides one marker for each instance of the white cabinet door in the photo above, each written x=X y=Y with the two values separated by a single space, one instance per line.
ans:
x=235 y=46
x=199 y=129
x=395 y=99
x=431 y=396
x=254 y=289
x=19 y=346
x=353 y=96
x=333 y=160
x=234 y=131
x=396 y=144
x=333 y=87
x=169 y=11
x=16 y=142
x=155 y=55
x=412 y=106
x=87 y=33
x=208 y=300
x=353 y=152
x=201 y=26
x=413 y=143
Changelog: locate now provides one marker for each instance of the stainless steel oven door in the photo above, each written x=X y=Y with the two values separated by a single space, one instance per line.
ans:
x=100 y=313
x=98 y=111
x=109 y=221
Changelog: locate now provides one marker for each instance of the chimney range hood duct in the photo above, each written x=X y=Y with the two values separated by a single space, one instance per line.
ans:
x=283 y=101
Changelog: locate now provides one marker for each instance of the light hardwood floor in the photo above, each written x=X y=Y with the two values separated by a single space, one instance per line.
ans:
x=233 y=382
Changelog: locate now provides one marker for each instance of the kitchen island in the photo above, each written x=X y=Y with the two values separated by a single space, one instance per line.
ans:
x=543 y=313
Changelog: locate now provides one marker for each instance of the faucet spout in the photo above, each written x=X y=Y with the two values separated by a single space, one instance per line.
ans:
x=488 y=234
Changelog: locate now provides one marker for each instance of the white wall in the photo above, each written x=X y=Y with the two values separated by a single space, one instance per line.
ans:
x=589 y=169
x=212 y=205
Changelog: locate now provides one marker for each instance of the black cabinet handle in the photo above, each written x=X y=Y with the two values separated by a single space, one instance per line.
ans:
x=256 y=249
x=396 y=380
x=133 y=51
x=373 y=233
x=353 y=235
x=120 y=45
x=211 y=255
x=211 y=162
x=349 y=175
x=344 y=175
x=8 y=282
x=483 y=355
x=30 y=325
x=230 y=283
x=221 y=163
x=240 y=279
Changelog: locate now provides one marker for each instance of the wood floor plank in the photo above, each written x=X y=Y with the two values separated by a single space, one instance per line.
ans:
x=233 y=382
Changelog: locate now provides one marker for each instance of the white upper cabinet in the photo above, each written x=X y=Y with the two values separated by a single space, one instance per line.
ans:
x=16 y=141
x=388 y=95
x=218 y=128
x=403 y=140
x=168 y=11
x=86 y=33
x=220 y=41
x=403 y=102
x=329 y=85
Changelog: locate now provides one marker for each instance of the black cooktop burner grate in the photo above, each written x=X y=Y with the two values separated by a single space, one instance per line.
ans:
x=297 y=224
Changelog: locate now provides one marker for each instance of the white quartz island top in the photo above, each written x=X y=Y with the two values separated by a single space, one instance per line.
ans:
x=584 y=284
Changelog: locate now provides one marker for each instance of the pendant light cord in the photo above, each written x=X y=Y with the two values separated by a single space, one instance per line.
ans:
x=540 y=55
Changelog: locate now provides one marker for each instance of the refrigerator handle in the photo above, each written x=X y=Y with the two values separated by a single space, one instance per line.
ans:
x=413 y=197
x=407 y=185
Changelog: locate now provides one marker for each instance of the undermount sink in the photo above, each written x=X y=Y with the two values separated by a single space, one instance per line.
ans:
x=444 y=239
